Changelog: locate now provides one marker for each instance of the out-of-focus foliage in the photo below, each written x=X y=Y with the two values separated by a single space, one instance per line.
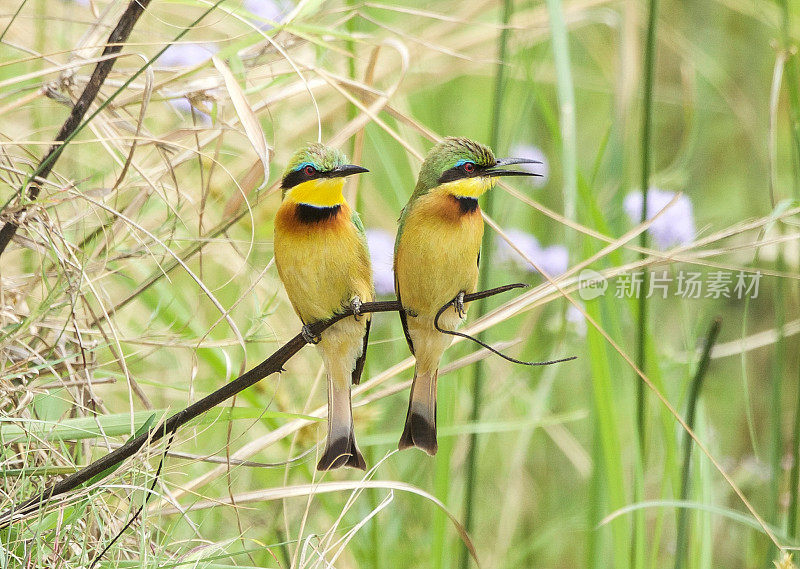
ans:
x=102 y=327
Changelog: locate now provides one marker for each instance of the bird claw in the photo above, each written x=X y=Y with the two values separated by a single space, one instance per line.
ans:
x=309 y=336
x=355 y=306
x=458 y=305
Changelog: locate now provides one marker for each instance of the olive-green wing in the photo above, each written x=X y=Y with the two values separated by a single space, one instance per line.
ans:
x=404 y=320
x=403 y=316
x=359 y=369
x=356 y=220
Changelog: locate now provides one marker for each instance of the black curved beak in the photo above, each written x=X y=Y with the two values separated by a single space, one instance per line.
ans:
x=509 y=162
x=346 y=170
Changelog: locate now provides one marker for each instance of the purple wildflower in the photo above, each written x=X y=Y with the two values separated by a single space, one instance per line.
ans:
x=554 y=260
x=270 y=10
x=576 y=318
x=381 y=250
x=184 y=106
x=532 y=153
x=525 y=242
x=186 y=54
x=674 y=227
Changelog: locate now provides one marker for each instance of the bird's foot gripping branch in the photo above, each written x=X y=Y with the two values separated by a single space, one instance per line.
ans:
x=273 y=364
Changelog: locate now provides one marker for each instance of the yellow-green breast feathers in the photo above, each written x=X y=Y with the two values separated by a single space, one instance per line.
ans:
x=322 y=264
x=438 y=241
x=320 y=248
x=436 y=255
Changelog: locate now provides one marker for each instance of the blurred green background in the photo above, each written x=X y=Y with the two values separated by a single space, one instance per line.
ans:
x=100 y=329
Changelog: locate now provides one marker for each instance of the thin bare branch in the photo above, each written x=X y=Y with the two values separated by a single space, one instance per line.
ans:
x=114 y=45
x=272 y=364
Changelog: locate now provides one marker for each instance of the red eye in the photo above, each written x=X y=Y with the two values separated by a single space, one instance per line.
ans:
x=309 y=170
x=469 y=167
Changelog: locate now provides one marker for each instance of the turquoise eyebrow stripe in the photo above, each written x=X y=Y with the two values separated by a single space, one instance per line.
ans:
x=460 y=162
x=303 y=165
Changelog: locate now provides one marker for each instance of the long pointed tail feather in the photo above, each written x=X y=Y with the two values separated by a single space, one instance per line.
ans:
x=420 y=428
x=341 y=452
x=340 y=445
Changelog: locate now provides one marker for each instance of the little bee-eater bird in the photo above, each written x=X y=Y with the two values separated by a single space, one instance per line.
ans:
x=436 y=258
x=322 y=259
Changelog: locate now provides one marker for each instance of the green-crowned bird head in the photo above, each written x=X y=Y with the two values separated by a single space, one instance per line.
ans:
x=464 y=167
x=315 y=175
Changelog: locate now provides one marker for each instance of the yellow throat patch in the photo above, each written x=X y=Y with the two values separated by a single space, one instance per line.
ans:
x=468 y=187
x=321 y=192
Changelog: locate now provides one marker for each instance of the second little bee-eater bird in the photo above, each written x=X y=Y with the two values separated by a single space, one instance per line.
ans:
x=436 y=258
x=322 y=259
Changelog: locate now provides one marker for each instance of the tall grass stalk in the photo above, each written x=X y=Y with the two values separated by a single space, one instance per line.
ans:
x=681 y=541
x=608 y=486
x=483 y=277
x=777 y=374
x=441 y=555
x=608 y=466
x=647 y=124
x=794 y=475
x=793 y=89
x=637 y=553
x=566 y=108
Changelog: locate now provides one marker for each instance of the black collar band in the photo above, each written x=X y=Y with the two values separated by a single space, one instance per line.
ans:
x=312 y=214
x=466 y=204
